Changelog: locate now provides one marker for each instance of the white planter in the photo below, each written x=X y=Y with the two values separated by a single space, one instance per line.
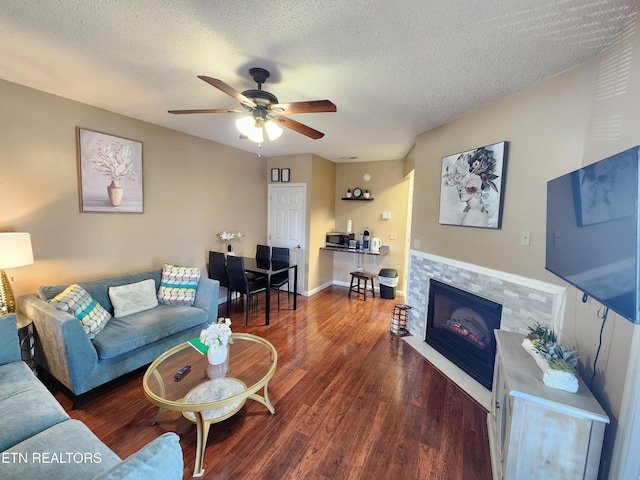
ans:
x=558 y=379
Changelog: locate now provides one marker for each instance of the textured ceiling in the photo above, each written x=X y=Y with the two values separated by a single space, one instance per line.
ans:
x=394 y=69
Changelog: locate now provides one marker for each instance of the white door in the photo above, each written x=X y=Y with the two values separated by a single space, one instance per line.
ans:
x=286 y=223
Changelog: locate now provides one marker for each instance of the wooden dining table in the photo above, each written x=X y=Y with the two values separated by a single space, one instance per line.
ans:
x=268 y=269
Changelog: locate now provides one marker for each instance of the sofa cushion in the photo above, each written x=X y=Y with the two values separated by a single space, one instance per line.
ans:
x=66 y=450
x=178 y=285
x=9 y=342
x=123 y=335
x=77 y=301
x=26 y=406
x=162 y=455
x=99 y=289
x=133 y=297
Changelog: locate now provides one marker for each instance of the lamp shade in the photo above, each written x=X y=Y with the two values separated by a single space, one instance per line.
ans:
x=15 y=250
x=273 y=130
x=246 y=124
x=255 y=135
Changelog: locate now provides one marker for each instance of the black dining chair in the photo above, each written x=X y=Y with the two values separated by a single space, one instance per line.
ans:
x=238 y=282
x=263 y=252
x=263 y=256
x=218 y=271
x=279 y=259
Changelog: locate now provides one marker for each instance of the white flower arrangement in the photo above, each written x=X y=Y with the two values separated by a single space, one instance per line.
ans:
x=217 y=334
x=229 y=237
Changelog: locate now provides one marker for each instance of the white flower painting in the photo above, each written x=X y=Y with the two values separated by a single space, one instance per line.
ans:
x=110 y=173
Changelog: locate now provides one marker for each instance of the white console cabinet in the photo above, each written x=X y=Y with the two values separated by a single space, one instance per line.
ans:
x=538 y=432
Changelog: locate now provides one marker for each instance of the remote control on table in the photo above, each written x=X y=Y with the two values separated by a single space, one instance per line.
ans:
x=182 y=372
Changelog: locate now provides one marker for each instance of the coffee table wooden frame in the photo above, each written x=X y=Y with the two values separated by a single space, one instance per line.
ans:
x=202 y=425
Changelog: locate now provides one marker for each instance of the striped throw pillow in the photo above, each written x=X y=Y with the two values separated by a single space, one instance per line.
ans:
x=76 y=301
x=178 y=285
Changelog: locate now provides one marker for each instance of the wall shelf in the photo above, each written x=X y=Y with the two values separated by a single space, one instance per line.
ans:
x=358 y=199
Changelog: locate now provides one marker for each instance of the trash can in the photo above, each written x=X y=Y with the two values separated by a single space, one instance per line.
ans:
x=388 y=280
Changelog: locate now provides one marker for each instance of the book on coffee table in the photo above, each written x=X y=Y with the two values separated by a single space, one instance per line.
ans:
x=198 y=345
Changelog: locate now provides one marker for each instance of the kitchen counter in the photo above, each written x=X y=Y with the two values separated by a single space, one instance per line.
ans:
x=359 y=256
x=352 y=250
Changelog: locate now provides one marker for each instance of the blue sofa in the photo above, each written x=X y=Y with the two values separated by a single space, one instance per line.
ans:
x=126 y=343
x=39 y=441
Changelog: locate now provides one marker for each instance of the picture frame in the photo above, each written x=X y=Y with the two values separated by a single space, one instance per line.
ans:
x=472 y=187
x=110 y=172
x=275 y=174
x=285 y=174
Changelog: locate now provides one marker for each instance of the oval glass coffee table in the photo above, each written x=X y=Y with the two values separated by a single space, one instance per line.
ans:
x=211 y=393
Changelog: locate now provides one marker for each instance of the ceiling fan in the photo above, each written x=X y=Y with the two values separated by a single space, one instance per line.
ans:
x=265 y=115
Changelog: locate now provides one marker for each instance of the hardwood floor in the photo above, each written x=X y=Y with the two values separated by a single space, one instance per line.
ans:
x=352 y=402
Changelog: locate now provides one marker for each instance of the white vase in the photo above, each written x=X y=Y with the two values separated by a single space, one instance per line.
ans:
x=217 y=355
x=217 y=371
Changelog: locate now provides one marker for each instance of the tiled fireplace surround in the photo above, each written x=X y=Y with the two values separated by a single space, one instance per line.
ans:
x=525 y=301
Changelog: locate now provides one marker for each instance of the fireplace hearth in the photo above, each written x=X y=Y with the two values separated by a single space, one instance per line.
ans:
x=460 y=326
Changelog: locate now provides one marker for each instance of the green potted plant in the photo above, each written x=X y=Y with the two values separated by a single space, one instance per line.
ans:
x=348 y=193
x=557 y=362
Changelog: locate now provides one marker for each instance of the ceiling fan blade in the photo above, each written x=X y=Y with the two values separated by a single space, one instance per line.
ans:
x=298 y=127
x=213 y=110
x=312 y=106
x=220 y=85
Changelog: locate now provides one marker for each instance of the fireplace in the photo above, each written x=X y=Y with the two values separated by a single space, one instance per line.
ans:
x=460 y=326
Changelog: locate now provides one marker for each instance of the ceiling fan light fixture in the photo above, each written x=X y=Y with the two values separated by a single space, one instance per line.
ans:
x=246 y=124
x=273 y=130
x=262 y=107
x=255 y=135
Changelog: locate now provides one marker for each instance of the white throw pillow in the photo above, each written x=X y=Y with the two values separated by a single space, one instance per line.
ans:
x=133 y=297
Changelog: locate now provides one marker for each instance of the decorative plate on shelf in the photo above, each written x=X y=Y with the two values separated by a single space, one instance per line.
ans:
x=357 y=192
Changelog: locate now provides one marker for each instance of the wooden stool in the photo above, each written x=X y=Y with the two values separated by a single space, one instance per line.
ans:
x=360 y=276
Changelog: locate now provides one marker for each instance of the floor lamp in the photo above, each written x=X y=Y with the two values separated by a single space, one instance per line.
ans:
x=15 y=251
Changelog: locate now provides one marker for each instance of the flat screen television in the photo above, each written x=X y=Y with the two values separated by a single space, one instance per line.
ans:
x=592 y=231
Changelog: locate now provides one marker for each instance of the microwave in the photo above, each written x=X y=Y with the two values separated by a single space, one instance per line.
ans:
x=339 y=239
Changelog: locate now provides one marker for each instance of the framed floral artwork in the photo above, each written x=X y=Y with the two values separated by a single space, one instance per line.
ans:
x=472 y=187
x=110 y=170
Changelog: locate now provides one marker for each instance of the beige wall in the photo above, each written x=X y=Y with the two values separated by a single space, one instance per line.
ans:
x=553 y=128
x=322 y=219
x=545 y=128
x=390 y=190
x=193 y=189
x=410 y=161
